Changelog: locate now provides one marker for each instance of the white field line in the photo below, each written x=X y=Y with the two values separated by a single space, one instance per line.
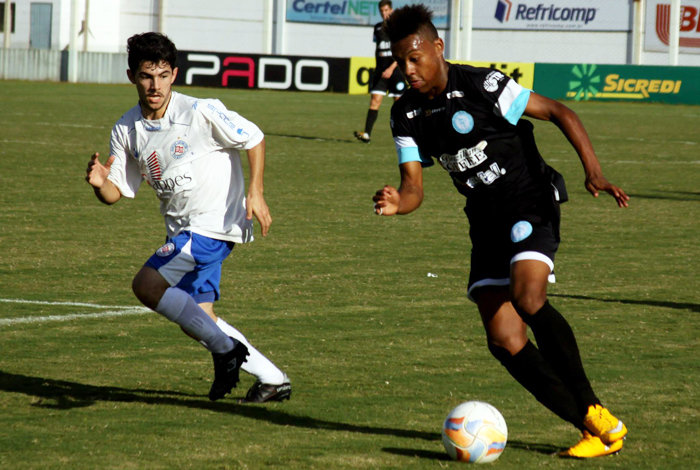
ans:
x=71 y=304
x=121 y=311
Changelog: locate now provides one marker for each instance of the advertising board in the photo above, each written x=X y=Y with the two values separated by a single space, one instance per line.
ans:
x=357 y=12
x=362 y=69
x=554 y=15
x=254 y=71
x=618 y=82
x=658 y=18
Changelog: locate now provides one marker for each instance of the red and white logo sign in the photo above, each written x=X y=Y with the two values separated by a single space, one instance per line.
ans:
x=658 y=29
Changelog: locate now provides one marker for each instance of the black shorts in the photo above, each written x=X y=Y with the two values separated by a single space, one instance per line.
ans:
x=498 y=242
x=394 y=86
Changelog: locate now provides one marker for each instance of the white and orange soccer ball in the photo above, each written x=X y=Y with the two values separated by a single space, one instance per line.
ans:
x=475 y=432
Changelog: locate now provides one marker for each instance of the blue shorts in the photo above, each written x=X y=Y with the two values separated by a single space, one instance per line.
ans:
x=192 y=263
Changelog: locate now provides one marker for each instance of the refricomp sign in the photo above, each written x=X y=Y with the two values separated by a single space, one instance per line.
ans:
x=618 y=82
x=576 y=15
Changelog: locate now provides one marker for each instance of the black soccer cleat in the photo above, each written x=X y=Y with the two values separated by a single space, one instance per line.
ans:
x=226 y=370
x=261 y=393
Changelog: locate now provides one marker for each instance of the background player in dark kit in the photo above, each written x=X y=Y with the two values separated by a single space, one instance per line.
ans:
x=387 y=78
x=469 y=120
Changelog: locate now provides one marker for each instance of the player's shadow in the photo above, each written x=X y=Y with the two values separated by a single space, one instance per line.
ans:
x=672 y=196
x=64 y=395
x=307 y=137
x=651 y=303
x=546 y=449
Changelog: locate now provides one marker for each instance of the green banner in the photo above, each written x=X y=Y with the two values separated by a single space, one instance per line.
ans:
x=679 y=85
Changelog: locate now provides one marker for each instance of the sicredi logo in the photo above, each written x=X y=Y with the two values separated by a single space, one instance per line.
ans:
x=551 y=13
x=586 y=82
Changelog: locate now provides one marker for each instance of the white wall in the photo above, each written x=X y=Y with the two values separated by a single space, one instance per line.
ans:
x=237 y=26
x=328 y=40
x=217 y=26
x=550 y=46
x=661 y=58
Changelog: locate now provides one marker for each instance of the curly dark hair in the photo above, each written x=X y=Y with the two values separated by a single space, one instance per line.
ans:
x=150 y=47
x=408 y=20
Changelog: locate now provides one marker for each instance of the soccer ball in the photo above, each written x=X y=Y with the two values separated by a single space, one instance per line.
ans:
x=474 y=432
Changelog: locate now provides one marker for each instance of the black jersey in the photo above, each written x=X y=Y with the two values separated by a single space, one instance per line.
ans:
x=383 y=51
x=473 y=130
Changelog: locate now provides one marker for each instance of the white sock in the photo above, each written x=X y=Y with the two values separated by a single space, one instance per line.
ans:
x=258 y=365
x=178 y=306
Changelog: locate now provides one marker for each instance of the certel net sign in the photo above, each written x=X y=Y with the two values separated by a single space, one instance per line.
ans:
x=658 y=19
x=554 y=15
x=356 y=12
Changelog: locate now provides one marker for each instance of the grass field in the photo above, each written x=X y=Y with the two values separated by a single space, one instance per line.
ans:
x=378 y=352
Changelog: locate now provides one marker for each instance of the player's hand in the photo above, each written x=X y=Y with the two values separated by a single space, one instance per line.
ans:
x=97 y=173
x=595 y=183
x=386 y=201
x=256 y=206
x=386 y=75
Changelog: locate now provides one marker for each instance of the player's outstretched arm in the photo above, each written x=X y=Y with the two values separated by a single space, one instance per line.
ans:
x=97 y=174
x=571 y=126
x=255 y=201
x=406 y=199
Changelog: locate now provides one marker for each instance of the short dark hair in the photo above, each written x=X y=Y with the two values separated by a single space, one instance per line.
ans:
x=408 y=20
x=384 y=3
x=150 y=47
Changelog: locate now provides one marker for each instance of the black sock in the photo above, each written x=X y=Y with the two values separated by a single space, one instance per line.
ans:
x=371 y=119
x=557 y=343
x=534 y=373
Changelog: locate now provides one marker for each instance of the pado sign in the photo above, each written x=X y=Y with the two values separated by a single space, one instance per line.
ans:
x=255 y=71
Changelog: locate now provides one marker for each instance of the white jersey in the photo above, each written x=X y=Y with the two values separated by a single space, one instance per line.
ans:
x=190 y=158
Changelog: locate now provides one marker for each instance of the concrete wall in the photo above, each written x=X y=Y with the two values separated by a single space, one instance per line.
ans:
x=237 y=26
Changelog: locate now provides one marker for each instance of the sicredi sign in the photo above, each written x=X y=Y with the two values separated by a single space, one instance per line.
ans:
x=357 y=12
x=605 y=82
x=658 y=31
x=554 y=15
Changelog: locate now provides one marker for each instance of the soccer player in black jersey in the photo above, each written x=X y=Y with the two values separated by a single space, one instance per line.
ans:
x=387 y=77
x=468 y=119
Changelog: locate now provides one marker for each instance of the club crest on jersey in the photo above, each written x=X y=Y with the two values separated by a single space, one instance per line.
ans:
x=166 y=250
x=520 y=231
x=492 y=79
x=463 y=122
x=179 y=149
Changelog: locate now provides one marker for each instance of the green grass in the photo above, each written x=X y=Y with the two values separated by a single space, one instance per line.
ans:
x=378 y=352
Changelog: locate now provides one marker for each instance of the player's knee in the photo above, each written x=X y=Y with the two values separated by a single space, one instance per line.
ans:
x=137 y=286
x=148 y=293
x=506 y=347
x=527 y=301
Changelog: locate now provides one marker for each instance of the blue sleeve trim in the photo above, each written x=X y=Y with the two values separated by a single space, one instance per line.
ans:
x=412 y=154
x=409 y=154
x=518 y=107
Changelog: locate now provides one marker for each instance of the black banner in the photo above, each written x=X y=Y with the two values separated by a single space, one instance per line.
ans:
x=254 y=71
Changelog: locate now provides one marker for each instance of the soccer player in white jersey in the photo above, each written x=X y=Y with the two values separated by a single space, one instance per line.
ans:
x=187 y=150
